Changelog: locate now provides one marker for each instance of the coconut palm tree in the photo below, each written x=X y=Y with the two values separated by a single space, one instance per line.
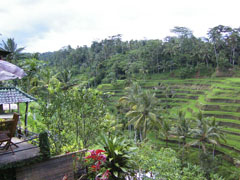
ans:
x=141 y=106
x=132 y=94
x=182 y=128
x=165 y=130
x=218 y=130
x=206 y=132
x=11 y=46
x=142 y=114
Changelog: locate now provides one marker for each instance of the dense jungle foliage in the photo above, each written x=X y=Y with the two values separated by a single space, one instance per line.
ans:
x=112 y=58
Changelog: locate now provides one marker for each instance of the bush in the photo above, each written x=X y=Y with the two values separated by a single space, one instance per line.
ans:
x=44 y=144
x=105 y=86
x=165 y=165
x=119 y=157
x=187 y=72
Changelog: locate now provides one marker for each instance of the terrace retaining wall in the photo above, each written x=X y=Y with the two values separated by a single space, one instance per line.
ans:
x=54 y=168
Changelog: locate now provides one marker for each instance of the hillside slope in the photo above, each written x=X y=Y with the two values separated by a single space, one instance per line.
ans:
x=216 y=97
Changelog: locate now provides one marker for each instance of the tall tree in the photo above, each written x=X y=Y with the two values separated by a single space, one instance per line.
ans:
x=206 y=132
x=232 y=39
x=11 y=46
x=182 y=126
x=215 y=36
x=165 y=130
x=142 y=107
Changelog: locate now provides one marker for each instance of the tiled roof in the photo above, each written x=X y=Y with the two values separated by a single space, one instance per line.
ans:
x=11 y=95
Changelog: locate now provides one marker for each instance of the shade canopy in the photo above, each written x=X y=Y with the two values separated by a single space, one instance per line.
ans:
x=10 y=71
x=12 y=95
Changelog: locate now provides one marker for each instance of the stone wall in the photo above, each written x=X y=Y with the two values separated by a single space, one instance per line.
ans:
x=54 y=168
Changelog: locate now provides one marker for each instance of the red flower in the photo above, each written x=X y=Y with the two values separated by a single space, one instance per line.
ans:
x=94 y=167
x=99 y=151
x=98 y=160
x=96 y=155
x=98 y=165
x=105 y=175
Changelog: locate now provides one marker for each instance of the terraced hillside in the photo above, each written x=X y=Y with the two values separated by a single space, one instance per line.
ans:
x=218 y=97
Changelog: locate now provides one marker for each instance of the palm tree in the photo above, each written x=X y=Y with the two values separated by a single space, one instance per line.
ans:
x=133 y=92
x=218 y=130
x=11 y=46
x=215 y=36
x=32 y=67
x=182 y=126
x=207 y=131
x=142 y=114
x=182 y=129
x=141 y=108
x=232 y=40
x=165 y=130
x=66 y=78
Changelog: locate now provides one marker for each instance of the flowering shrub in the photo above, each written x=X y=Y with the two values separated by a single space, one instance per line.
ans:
x=96 y=161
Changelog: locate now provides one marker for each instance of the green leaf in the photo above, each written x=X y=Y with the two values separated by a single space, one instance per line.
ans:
x=116 y=164
x=115 y=173
x=116 y=152
x=123 y=169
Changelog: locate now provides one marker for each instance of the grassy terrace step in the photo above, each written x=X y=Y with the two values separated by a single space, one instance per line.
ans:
x=223 y=108
x=222 y=116
x=189 y=84
x=236 y=114
x=179 y=96
x=176 y=82
x=189 y=92
x=176 y=92
x=227 y=94
x=228 y=152
x=114 y=90
x=226 y=88
x=169 y=105
x=223 y=100
x=229 y=124
x=194 y=87
x=232 y=141
x=180 y=91
x=173 y=100
x=118 y=95
x=147 y=82
x=232 y=130
x=204 y=102
x=232 y=150
x=179 y=86
x=233 y=137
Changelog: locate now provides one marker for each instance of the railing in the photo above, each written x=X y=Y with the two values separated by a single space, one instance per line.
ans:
x=24 y=136
x=27 y=136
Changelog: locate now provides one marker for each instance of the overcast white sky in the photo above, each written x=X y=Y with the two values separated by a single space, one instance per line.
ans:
x=48 y=25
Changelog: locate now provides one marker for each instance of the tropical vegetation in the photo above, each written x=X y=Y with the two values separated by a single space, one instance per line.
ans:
x=166 y=109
